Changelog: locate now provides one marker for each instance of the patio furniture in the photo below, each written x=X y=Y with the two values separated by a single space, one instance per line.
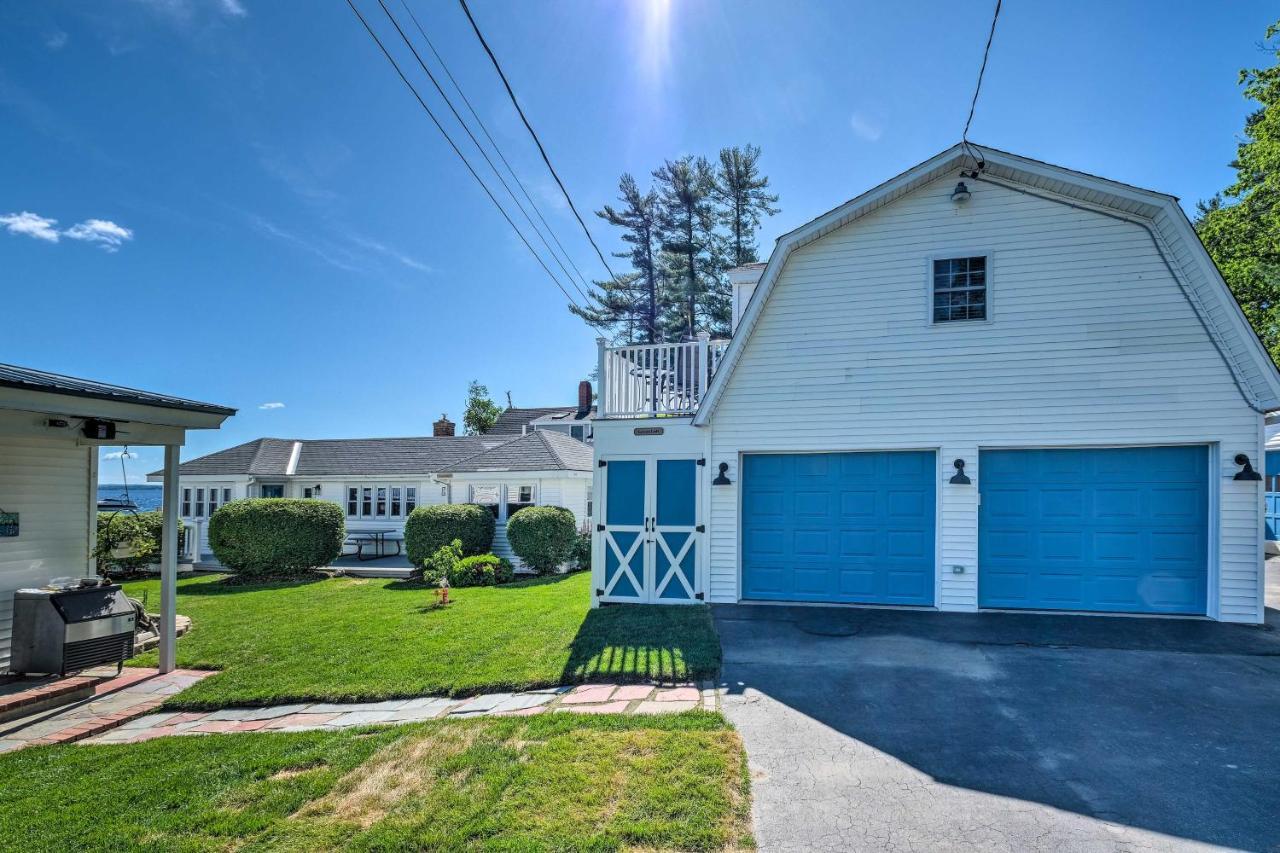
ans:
x=376 y=539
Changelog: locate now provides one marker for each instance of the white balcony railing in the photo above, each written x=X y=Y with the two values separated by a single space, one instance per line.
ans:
x=646 y=380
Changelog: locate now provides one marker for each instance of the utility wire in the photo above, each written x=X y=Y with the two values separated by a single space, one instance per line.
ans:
x=512 y=95
x=497 y=148
x=973 y=105
x=479 y=147
x=458 y=151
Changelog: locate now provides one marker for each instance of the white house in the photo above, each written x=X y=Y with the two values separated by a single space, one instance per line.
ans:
x=988 y=383
x=51 y=427
x=379 y=481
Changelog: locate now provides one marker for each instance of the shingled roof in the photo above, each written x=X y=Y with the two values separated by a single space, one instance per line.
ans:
x=540 y=450
x=513 y=421
x=270 y=457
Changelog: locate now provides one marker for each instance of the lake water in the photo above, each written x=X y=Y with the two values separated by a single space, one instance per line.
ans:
x=147 y=497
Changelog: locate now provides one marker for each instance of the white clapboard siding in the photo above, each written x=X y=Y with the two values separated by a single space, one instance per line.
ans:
x=1091 y=342
x=47 y=483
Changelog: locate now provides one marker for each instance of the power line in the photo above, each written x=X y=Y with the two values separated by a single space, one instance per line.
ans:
x=458 y=151
x=973 y=105
x=497 y=148
x=512 y=95
x=479 y=147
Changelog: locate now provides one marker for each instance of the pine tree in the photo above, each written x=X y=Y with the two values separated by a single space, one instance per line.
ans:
x=1242 y=233
x=482 y=413
x=693 y=253
x=628 y=305
x=741 y=192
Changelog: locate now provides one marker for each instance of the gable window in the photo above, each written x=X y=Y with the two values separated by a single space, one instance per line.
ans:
x=959 y=289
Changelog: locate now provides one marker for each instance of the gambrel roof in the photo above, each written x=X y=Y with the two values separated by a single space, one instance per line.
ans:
x=1158 y=213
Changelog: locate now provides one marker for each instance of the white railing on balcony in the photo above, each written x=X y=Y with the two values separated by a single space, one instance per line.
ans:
x=646 y=380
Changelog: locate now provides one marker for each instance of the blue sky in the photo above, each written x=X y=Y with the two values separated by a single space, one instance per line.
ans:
x=236 y=201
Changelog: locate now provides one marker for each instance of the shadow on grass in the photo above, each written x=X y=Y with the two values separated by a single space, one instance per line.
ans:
x=229 y=586
x=514 y=586
x=644 y=642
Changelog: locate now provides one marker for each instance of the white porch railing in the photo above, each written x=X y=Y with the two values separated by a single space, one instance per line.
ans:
x=644 y=380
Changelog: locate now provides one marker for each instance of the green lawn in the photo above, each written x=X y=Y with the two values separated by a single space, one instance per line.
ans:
x=550 y=782
x=349 y=639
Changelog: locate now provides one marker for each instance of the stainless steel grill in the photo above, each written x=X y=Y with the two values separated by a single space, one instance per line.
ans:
x=61 y=631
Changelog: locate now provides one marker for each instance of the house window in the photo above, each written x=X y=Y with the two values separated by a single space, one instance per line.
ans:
x=199 y=503
x=226 y=496
x=186 y=503
x=518 y=497
x=213 y=501
x=381 y=501
x=487 y=496
x=591 y=509
x=959 y=289
x=271 y=490
x=308 y=492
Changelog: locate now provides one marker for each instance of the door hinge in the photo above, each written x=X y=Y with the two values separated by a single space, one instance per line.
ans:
x=599 y=593
x=702 y=462
x=601 y=463
x=600 y=528
x=701 y=528
x=698 y=596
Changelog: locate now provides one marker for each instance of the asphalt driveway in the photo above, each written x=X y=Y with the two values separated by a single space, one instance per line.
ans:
x=900 y=730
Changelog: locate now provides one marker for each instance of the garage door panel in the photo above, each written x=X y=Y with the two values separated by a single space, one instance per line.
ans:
x=1130 y=536
x=855 y=527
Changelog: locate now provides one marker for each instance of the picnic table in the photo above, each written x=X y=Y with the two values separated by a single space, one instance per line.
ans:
x=375 y=538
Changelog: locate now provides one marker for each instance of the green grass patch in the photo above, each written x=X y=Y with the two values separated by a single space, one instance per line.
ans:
x=551 y=782
x=350 y=639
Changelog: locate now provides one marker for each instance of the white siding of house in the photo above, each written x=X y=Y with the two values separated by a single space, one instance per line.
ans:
x=47 y=482
x=1090 y=343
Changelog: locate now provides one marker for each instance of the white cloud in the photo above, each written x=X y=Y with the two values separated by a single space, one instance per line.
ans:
x=56 y=40
x=272 y=406
x=866 y=127
x=30 y=224
x=120 y=454
x=108 y=234
x=395 y=254
x=233 y=7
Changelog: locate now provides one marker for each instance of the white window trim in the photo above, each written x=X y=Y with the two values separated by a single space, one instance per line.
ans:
x=952 y=254
x=373 y=486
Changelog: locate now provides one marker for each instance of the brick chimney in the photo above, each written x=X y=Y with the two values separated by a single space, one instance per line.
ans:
x=584 y=396
x=443 y=427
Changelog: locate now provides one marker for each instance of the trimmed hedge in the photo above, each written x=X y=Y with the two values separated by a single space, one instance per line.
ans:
x=430 y=528
x=543 y=537
x=276 y=536
x=481 y=570
x=581 y=553
x=139 y=531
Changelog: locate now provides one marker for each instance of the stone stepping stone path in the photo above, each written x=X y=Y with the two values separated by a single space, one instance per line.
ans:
x=584 y=699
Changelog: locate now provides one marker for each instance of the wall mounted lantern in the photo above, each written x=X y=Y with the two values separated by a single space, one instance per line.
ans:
x=960 y=478
x=1247 y=472
x=316 y=490
x=960 y=194
x=722 y=478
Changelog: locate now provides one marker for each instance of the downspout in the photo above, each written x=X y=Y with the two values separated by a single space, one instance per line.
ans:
x=1187 y=294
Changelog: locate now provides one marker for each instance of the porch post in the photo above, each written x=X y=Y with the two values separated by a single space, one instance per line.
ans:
x=169 y=561
x=602 y=395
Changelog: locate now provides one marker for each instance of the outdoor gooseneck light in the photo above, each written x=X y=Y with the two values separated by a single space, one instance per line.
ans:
x=1246 y=472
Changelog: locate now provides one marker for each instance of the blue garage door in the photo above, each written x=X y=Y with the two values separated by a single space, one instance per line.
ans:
x=1121 y=530
x=839 y=527
x=1272 y=495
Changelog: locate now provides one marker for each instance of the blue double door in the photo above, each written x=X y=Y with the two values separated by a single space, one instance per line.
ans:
x=839 y=527
x=651 y=533
x=1114 y=530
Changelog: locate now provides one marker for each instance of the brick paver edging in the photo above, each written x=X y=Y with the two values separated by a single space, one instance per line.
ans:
x=585 y=699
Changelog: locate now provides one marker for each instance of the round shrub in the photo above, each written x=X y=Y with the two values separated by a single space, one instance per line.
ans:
x=481 y=570
x=273 y=537
x=430 y=528
x=140 y=532
x=581 y=557
x=441 y=564
x=543 y=537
